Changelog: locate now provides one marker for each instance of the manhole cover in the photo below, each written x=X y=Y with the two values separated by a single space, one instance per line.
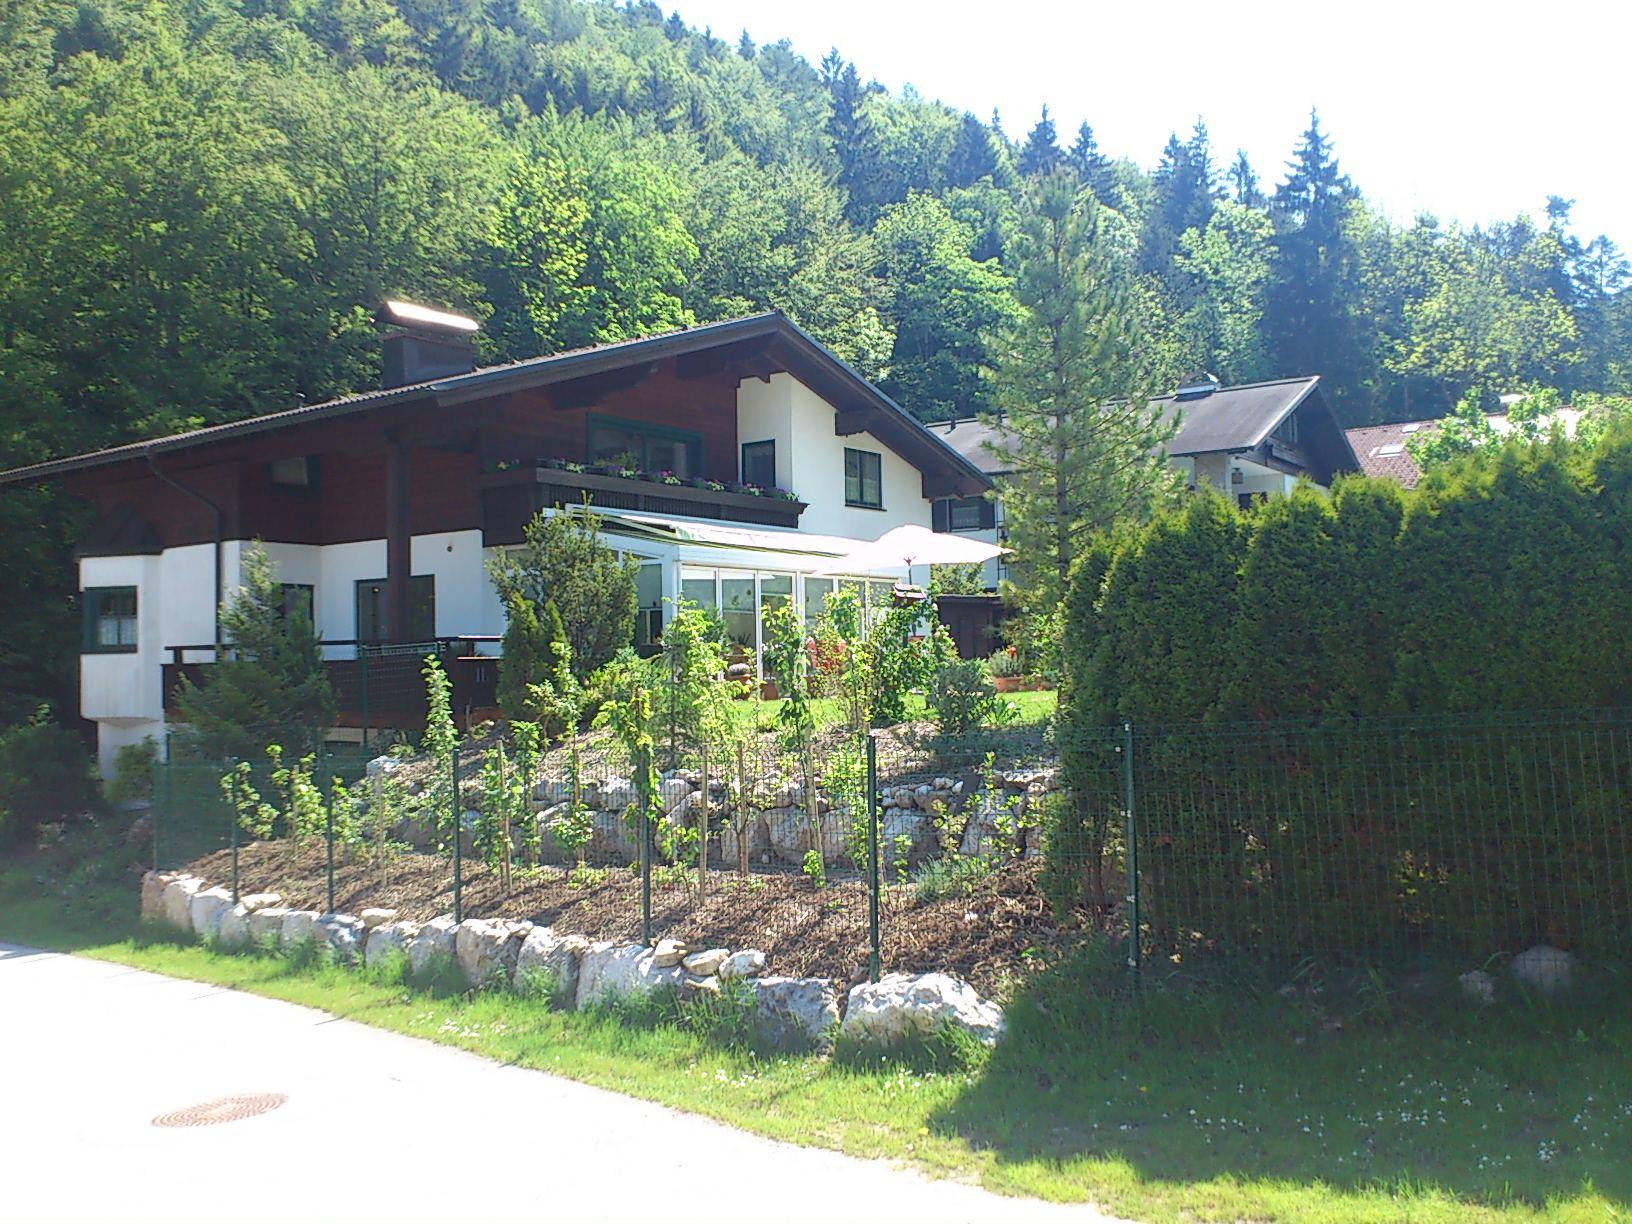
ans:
x=227 y=1109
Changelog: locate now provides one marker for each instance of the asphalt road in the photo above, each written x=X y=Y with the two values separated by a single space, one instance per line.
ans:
x=375 y=1126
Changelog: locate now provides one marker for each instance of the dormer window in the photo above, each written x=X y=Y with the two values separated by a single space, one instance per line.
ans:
x=296 y=472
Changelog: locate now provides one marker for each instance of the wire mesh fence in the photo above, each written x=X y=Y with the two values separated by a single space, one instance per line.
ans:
x=1367 y=841
x=1372 y=840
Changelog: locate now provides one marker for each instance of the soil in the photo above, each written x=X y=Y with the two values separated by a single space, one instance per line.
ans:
x=980 y=936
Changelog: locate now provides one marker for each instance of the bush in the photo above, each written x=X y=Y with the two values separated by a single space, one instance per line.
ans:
x=963 y=699
x=45 y=774
x=133 y=765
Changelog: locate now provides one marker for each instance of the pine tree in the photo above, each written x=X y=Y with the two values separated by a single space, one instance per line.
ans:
x=528 y=657
x=850 y=130
x=1092 y=167
x=1244 y=187
x=974 y=156
x=1185 y=195
x=270 y=688
x=1041 y=152
x=1075 y=379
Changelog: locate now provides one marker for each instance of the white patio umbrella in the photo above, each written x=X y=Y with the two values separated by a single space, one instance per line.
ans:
x=910 y=546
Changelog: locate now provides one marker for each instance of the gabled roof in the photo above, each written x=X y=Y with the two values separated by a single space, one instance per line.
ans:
x=1382 y=450
x=1229 y=419
x=807 y=359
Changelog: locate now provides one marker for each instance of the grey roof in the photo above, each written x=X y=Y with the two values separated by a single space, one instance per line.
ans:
x=826 y=371
x=1226 y=420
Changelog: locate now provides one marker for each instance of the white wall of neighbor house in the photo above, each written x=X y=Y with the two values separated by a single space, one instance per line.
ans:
x=765 y=414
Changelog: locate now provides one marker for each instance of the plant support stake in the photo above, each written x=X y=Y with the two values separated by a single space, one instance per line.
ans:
x=232 y=825
x=328 y=835
x=458 y=836
x=643 y=788
x=1131 y=836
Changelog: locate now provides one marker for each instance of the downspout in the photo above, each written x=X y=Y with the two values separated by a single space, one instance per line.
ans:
x=215 y=515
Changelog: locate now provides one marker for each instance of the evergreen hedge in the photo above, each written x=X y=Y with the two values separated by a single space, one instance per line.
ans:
x=1364 y=722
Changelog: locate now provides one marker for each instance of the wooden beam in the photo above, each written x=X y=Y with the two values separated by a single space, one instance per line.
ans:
x=742 y=358
x=588 y=391
x=847 y=421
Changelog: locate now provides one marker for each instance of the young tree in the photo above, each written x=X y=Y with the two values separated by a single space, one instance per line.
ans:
x=1041 y=152
x=529 y=655
x=562 y=561
x=269 y=687
x=1075 y=377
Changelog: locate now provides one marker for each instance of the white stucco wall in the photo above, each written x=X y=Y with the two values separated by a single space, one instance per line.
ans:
x=811 y=463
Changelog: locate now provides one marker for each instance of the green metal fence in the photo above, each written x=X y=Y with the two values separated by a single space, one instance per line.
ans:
x=1371 y=840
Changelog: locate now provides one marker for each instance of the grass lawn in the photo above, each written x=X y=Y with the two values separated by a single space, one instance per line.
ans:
x=1209 y=1103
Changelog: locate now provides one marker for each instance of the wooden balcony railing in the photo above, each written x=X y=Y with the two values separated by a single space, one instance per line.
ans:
x=377 y=686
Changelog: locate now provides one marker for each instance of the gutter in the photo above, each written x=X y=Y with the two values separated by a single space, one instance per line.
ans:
x=215 y=514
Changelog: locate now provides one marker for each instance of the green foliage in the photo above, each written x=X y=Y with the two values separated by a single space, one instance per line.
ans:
x=529 y=641
x=270 y=687
x=698 y=698
x=963 y=699
x=629 y=713
x=562 y=561
x=815 y=870
x=45 y=775
x=133 y=766
x=440 y=744
x=898 y=661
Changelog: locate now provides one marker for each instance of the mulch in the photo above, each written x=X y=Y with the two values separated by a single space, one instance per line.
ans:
x=980 y=936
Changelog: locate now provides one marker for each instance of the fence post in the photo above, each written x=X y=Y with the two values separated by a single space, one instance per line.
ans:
x=329 y=832
x=458 y=839
x=362 y=669
x=643 y=786
x=1131 y=839
x=873 y=951
x=161 y=811
x=232 y=826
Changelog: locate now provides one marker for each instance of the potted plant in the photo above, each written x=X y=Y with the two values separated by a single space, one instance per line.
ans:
x=1008 y=675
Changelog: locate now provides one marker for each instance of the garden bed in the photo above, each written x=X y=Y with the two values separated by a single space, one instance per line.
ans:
x=984 y=935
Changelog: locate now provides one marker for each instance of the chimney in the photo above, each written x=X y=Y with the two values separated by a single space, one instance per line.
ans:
x=1197 y=385
x=422 y=344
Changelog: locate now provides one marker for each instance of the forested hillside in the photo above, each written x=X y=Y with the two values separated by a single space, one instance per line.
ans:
x=203 y=198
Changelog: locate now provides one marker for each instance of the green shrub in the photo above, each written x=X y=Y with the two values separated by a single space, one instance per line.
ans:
x=963 y=699
x=45 y=775
x=133 y=766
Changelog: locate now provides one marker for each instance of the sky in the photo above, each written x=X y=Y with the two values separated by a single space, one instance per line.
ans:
x=1472 y=112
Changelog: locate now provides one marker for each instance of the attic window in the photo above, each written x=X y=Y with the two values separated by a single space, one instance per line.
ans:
x=1411 y=428
x=1393 y=448
x=293 y=473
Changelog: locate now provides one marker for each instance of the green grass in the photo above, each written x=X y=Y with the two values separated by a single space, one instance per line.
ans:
x=1206 y=1102
x=1029 y=709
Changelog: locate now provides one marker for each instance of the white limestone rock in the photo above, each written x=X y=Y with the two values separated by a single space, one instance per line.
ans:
x=706 y=964
x=559 y=956
x=790 y=834
x=1543 y=968
x=266 y=925
x=1478 y=986
x=671 y=791
x=902 y=1006
x=232 y=933
x=668 y=953
x=486 y=949
x=748 y=963
x=386 y=940
x=757 y=834
x=374 y=917
x=260 y=901
x=344 y=934
x=206 y=908
x=432 y=941
x=177 y=901
x=153 y=886
x=299 y=926
x=795 y=1013
x=612 y=970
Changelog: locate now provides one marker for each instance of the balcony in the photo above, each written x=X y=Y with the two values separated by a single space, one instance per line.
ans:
x=377 y=686
x=512 y=497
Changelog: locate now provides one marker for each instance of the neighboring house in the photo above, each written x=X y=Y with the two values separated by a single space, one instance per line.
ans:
x=1247 y=441
x=1383 y=450
x=735 y=460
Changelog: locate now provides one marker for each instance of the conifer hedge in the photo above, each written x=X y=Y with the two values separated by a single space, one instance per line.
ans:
x=1380 y=720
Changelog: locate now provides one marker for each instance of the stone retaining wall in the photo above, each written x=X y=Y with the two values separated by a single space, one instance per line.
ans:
x=790 y=1013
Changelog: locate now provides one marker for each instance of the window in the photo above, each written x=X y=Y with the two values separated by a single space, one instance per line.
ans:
x=646 y=448
x=699 y=590
x=299 y=472
x=863 y=479
x=1287 y=430
x=297 y=597
x=372 y=618
x=737 y=611
x=759 y=464
x=649 y=604
x=110 y=620
x=964 y=514
x=816 y=592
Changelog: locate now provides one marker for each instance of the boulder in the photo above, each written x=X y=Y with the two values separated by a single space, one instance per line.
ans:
x=789 y=829
x=176 y=902
x=613 y=971
x=386 y=940
x=668 y=953
x=748 y=963
x=670 y=791
x=266 y=925
x=1543 y=968
x=260 y=901
x=299 y=926
x=1478 y=986
x=706 y=964
x=616 y=795
x=795 y=1013
x=153 y=886
x=344 y=934
x=486 y=949
x=914 y=826
x=611 y=838
x=902 y=1006
x=758 y=836
x=381 y=765
x=374 y=917
x=205 y=910
x=552 y=791
x=432 y=941
x=233 y=931
x=557 y=955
